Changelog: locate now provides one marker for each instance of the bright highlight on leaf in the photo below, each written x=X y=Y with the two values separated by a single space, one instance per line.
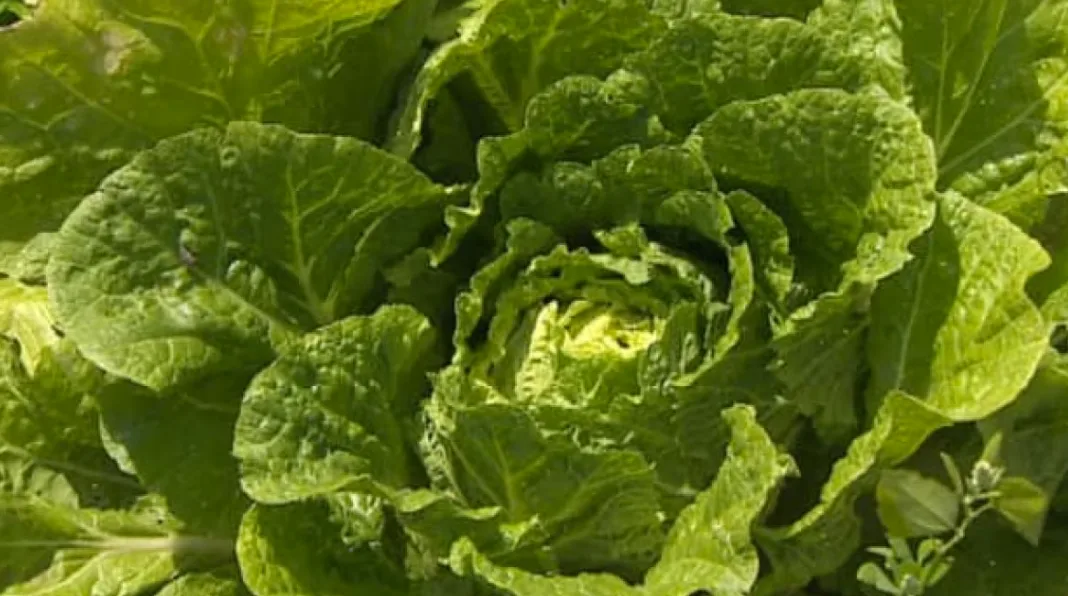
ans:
x=533 y=297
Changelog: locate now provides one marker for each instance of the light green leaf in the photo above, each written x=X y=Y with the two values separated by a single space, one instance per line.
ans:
x=26 y=318
x=1025 y=505
x=85 y=84
x=296 y=550
x=210 y=251
x=85 y=551
x=955 y=327
x=709 y=548
x=218 y=583
x=912 y=505
x=598 y=508
x=334 y=410
x=466 y=560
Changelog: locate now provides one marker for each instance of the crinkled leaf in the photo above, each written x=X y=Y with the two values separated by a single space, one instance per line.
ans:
x=334 y=409
x=297 y=549
x=598 y=508
x=513 y=49
x=208 y=252
x=85 y=84
x=703 y=63
x=709 y=547
x=856 y=170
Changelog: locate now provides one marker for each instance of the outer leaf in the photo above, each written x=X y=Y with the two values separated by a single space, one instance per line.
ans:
x=465 y=560
x=709 y=547
x=98 y=552
x=845 y=161
x=210 y=251
x=332 y=411
x=955 y=326
x=830 y=216
x=703 y=63
x=990 y=80
x=824 y=538
x=196 y=476
x=206 y=584
x=912 y=505
x=513 y=49
x=296 y=549
x=85 y=84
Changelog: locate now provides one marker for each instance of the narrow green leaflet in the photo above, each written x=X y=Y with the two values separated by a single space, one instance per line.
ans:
x=85 y=84
x=911 y=504
x=335 y=409
x=990 y=81
x=208 y=252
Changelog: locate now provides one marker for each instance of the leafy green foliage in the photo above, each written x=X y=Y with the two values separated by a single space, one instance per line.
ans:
x=533 y=297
